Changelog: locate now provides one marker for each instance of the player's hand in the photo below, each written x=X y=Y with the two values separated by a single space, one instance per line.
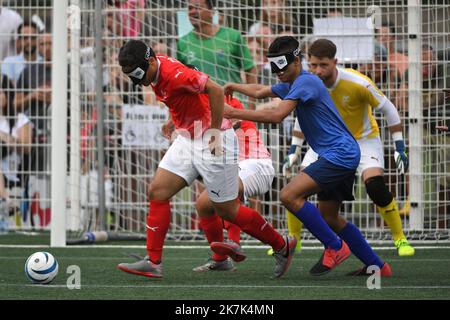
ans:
x=442 y=128
x=291 y=159
x=167 y=129
x=228 y=111
x=400 y=156
x=215 y=144
x=228 y=90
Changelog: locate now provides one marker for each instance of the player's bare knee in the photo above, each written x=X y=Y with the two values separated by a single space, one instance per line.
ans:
x=155 y=193
x=291 y=200
x=203 y=207
x=228 y=210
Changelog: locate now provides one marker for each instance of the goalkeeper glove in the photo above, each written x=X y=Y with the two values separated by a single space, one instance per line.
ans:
x=293 y=156
x=400 y=156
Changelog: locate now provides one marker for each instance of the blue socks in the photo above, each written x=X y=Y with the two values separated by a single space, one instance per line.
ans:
x=313 y=221
x=359 y=246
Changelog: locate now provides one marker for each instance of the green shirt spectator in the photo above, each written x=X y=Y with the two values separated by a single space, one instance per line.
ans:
x=222 y=56
x=220 y=52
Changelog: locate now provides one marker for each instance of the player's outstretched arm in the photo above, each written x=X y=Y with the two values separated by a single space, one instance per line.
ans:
x=216 y=102
x=253 y=90
x=275 y=115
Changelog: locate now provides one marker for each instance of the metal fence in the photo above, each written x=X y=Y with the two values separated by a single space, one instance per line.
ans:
x=122 y=153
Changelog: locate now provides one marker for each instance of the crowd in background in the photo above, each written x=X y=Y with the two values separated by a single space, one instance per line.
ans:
x=225 y=53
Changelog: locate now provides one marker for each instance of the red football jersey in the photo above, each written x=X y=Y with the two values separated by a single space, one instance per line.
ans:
x=181 y=88
x=251 y=145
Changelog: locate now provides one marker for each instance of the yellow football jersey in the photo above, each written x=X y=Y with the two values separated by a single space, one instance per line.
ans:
x=355 y=95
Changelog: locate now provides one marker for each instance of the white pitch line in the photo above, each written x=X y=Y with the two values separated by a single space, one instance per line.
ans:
x=228 y=286
x=62 y=257
x=259 y=247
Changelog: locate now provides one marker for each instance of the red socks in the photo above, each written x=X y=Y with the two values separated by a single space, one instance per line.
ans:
x=251 y=222
x=158 y=221
x=233 y=231
x=212 y=227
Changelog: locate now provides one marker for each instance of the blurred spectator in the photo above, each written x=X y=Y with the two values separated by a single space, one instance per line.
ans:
x=379 y=71
x=276 y=14
x=217 y=51
x=13 y=66
x=259 y=40
x=334 y=12
x=263 y=34
x=10 y=21
x=130 y=17
x=386 y=35
x=5 y=92
x=33 y=98
x=435 y=112
x=15 y=141
x=112 y=23
x=304 y=46
x=433 y=81
x=160 y=48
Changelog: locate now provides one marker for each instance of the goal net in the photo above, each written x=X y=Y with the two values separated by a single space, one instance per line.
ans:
x=403 y=46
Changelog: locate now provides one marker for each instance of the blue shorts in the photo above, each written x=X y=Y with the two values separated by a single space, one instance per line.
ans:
x=335 y=181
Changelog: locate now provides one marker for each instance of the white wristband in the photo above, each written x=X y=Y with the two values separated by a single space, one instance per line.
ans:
x=297 y=141
x=396 y=136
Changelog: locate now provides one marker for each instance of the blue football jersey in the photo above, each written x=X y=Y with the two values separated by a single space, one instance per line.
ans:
x=320 y=121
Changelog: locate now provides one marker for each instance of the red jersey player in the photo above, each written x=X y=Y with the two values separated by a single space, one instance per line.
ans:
x=203 y=147
x=256 y=174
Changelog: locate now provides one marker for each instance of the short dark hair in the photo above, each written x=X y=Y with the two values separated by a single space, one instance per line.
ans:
x=322 y=48
x=210 y=4
x=133 y=52
x=27 y=23
x=283 y=44
x=427 y=46
x=335 y=10
x=388 y=24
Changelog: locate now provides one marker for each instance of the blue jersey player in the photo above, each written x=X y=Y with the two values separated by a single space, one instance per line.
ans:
x=331 y=177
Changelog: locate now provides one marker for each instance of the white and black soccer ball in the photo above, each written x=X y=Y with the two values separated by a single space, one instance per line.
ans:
x=41 y=267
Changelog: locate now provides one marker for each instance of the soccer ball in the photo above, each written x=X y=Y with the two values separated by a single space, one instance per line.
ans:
x=41 y=267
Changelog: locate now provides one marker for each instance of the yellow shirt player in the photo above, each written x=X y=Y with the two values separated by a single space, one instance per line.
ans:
x=355 y=97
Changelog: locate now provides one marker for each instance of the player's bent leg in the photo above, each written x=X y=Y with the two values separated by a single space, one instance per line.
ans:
x=331 y=258
x=203 y=205
x=251 y=222
x=227 y=210
x=233 y=231
x=163 y=187
x=330 y=212
x=293 y=197
x=294 y=230
x=255 y=178
x=212 y=227
x=388 y=208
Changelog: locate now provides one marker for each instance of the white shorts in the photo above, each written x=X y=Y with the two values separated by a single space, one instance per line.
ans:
x=189 y=159
x=372 y=155
x=256 y=176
